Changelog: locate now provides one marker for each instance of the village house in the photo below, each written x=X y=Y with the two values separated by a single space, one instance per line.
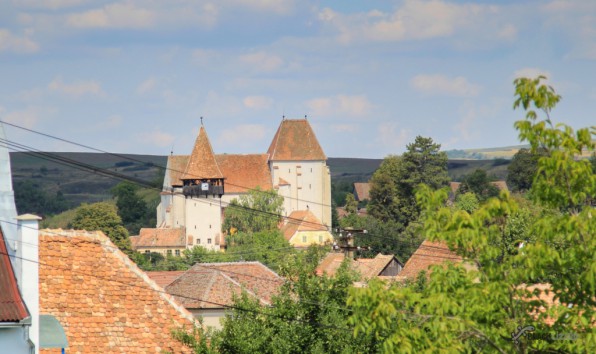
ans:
x=207 y=290
x=198 y=187
x=382 y=266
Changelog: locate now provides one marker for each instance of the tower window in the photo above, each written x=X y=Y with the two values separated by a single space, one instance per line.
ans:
x=177 y=253
x=209 y=241
x=198 y=241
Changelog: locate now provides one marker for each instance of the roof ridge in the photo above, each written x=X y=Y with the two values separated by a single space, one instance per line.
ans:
x=243 y=287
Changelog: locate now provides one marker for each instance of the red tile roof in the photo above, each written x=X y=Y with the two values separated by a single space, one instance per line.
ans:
x=202 y=163
x=105 y=303
x=176 y=167
x=244 y=172
x=165 y=278
x=295 y=140
x=428 y=254
x=301 y=220
x=159 y=237
x=362 y=191
x=367 y=267
x=213 y=285
x=12 y=306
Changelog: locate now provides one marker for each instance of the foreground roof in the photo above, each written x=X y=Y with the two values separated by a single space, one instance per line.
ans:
x=202 y=164
x=12 y=306
x=159 y=237
x=301 y=220
x=244 y=172
x=295 y=140
x=213 y=285
x=428 y=254
x=102 y=299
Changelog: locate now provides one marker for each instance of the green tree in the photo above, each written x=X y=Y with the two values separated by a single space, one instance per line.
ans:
x=103 y=217
x=241 y=215
x=351 y=204
x=467 y=201
x=522 y=169
x=132 y=209
x=461 y=310
x=384 y=198
x=30 y=197
x=478 y=183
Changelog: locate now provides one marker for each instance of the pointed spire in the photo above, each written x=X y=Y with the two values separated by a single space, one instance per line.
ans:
x=202 y=163
x=294 y=141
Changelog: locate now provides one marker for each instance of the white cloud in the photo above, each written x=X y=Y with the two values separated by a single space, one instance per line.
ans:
x=243 y=135
x=116 y=15
x=262 y=61
x=257 y=102
x=442 y=85
x=17 y=44
x=76 y=89
x=281 y=7
x=146 y=86
x=389 y=136
x=340 y=105
x=155 y=138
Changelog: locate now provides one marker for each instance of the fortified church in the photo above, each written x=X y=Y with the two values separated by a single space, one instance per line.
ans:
x=198 y=187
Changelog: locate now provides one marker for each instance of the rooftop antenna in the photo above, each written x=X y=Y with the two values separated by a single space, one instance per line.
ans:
x=201 y=121
x=172 y=150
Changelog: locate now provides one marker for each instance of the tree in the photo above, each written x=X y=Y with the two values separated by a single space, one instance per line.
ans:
x=351 y=204
x=31 y=198
x=479 y=184
x=467 y=201
x=258 y=210
x=522 y=169
x=132 y=209
x=103 y=217
x=461 y=310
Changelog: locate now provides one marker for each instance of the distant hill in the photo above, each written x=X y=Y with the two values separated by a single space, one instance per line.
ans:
x=505 y=152
x=87 y=185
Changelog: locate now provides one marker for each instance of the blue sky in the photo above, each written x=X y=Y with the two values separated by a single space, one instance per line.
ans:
x=134 y=76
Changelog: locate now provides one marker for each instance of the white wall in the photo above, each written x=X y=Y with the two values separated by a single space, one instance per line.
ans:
x=203 y=221
x=13 y=340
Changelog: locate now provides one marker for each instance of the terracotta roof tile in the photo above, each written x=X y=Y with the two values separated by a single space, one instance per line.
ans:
x=175 y=169
x=244 y=172
x=105 y=303
x=12 y=306
x=362 y=191
x=213 y=285
x=428 y=254
x=367 y=267
x=301 y=220
x=160 y=237
x=202 y=163
x=165 y=278
x=295 y=140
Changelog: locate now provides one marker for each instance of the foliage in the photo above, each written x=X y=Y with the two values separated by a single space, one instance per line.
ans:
x=267 y=247
x=467 y=202
x=351 y=204
x=522 y=169
x=240 y=215
x=307 y=316
x=479 y=184
x=103 y=216
x=462 y=310
x=31 y=198
x=132 y=208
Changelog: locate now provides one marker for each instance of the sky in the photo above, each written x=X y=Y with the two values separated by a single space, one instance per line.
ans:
x=135 y=76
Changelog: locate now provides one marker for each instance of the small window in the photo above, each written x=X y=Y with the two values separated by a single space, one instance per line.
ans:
x=208 y=241
x=198 y=241
x=177 y=253
x=303 y=238
x=309 y=186
x=169 y=252
x=311 y=170
x=195 y=204
x=195 y=227
x=147 y=252
x=209 y=226
x=289 y=170
x=321 y=238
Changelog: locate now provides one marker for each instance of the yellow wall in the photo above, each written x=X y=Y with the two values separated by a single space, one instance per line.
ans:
x=307 y=238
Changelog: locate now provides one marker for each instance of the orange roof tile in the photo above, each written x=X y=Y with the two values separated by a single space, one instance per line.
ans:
x=301 y=220
x=295 y=140
x=202 y=163
x=428 y=254
x=176 y=167
x=105 y=303
x=165 y=278
x=12 y=306
x=213 y=285
x=244 y=172
x=362 y=191
x=367 y=267
x=160 y=237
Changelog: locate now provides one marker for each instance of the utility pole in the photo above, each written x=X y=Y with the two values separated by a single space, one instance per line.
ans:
x=346 y=238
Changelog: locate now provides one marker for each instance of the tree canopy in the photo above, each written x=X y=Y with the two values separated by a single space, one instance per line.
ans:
x=103 y=217
x=258 y=210
x=522 y=169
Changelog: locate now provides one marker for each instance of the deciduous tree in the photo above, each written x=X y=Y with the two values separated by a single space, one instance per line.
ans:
x=258 y=210
x=103 y=217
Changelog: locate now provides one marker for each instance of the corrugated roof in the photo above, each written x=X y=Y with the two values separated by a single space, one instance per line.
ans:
x=295 y=140
x=160 y=237
x=202 y=163
x=301 y=220
x=428 y=254
x=362 y=190
x=12 y=306
x=105 y=303
x=244 y=172
x=211 y=285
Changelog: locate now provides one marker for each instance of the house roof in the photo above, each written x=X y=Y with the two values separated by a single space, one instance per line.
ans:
x=244 y=172
x=176 y=167
x=165 y=278
x=301 y=220
x=362 y=190
x=159 y=237
x=12 y=306
x=428 y=254
x=202 y=163
x=213 y=285
x=367 y=267
x=102 y=299
x=295 y=140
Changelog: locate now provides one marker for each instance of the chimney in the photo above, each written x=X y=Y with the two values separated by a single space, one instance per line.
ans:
x=27 y=254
